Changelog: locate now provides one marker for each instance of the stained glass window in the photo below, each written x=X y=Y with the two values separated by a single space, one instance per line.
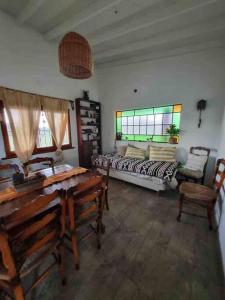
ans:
x=148 y=124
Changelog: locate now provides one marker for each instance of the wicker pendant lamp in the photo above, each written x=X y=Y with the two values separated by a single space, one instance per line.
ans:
x=75 y=58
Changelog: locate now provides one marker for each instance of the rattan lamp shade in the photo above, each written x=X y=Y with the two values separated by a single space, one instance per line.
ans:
x=75 y=58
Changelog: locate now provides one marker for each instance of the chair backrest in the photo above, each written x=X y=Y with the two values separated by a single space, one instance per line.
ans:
x=13 y=167
x=201 y=151
x=48 y=160
x=104 y=165
x=84 y=195
x=219 y=175
x=36 y=228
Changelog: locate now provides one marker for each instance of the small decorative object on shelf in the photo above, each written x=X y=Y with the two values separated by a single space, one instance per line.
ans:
x=173 y=131
x=86 y=95
x=88 y=113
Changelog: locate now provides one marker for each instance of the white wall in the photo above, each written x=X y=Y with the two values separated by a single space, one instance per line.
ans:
x=220 y=207
x=221 y=153
x=29 y=63
x=182 y=79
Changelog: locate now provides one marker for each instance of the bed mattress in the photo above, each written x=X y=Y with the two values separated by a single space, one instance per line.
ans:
x=162 y=170
x=144 y=177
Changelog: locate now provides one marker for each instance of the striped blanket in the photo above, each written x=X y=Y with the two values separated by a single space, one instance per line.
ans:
x=161 y=169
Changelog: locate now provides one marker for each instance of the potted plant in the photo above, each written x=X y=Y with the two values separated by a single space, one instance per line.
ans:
x=118 y=136
x=173 y=131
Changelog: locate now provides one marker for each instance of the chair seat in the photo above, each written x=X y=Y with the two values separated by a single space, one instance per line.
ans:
x=197 y=192
x=197 y=174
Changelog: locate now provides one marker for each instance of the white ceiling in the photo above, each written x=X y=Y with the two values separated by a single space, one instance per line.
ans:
x=127 y=30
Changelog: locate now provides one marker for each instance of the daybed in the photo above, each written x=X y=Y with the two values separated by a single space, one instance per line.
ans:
x=154 y=175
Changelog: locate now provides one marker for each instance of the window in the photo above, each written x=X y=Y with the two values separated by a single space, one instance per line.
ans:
x=44 y=143
x=148 y=124
x=44 y=137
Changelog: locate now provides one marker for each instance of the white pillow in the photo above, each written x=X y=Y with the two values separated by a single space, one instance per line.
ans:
x=200 y=152
x=196 y=162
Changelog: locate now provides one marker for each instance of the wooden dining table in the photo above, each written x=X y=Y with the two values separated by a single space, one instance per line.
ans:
x=22 y=194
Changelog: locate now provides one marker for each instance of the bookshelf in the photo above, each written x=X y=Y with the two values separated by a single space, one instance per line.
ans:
x=88 y=113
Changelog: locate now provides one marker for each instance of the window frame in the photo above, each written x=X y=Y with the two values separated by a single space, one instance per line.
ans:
x=119 y=115
x=12 y=154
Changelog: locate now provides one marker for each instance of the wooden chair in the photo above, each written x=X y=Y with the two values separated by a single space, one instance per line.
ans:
x=196 y=195
x=104 y=170
x=85 y=207
x=27 y=237
x=185 y=174
x=12 y=167
x=49 y=161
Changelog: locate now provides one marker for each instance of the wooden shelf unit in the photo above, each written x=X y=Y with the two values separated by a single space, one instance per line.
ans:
x=89 y=138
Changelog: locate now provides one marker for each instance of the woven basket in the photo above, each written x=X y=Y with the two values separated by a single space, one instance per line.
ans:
x=75 y=58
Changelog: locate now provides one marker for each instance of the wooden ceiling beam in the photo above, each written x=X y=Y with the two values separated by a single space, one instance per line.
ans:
x=164 y=53
x=89 y=13
x=168 y=15
x=204 y=30
x=29 y=10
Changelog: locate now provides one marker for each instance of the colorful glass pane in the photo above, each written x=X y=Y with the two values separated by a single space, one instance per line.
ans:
x=142 y=138
x=176 y=119
x=160 y=138
x=119 y=124
x=167 y=118
x=177 y=108
x=128 y=113
x=127 y=137
x=148 y=123
x=163 y=110
x=143 y=112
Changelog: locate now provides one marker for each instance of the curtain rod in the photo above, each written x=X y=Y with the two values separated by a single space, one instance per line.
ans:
x=35 y=94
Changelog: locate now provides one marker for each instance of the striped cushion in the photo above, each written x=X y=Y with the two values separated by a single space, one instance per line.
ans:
x=162 y=153
x=135 y=152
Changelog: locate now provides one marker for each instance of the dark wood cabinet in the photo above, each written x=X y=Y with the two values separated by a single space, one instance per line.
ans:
x=88 y=114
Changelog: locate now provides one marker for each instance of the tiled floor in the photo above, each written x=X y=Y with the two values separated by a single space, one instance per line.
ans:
x=145 y=254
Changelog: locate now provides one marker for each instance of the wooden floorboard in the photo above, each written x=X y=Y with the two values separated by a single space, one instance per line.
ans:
x=145 y=254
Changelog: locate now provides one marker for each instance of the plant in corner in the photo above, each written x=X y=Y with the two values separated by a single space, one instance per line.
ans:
x=173 y=131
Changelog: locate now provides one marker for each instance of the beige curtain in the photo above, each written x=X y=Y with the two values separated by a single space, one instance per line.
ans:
x=56 y=111
x=23 y=111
